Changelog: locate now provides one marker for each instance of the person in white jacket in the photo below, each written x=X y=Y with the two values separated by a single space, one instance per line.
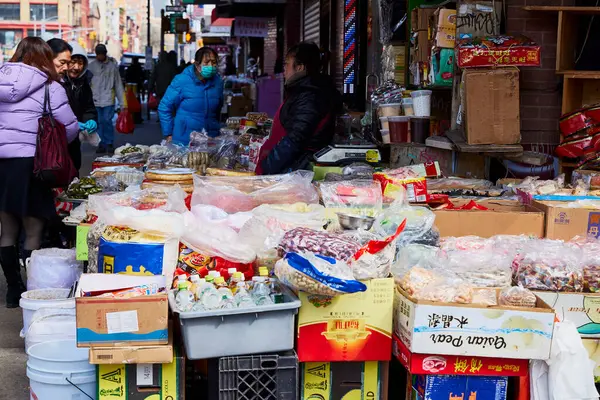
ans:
x=106 y=84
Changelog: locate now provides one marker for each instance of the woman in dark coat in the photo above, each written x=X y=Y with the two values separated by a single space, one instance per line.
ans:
x=305 y=121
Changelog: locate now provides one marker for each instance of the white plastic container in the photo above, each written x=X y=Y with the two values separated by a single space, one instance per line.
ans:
x=60 y=370
x=390 y=110
x=385 y=136
x=421 y=103
x=34 y=300
x=384 y=123
x=407 y=106
x=53 y=268
x=49 y=325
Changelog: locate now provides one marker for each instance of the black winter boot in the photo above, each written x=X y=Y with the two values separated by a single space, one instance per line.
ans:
x=9 y=259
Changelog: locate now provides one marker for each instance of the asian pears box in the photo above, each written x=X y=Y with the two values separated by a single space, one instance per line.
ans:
x=467 y=329
x=349 y=327
x=456 y=387
x=109 y=321
x=582 y=309
x=344 y=380
x=142 y=381
x=127 y=251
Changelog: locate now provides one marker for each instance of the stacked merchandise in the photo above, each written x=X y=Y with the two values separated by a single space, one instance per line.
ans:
x=580 y=134
x=489 y=94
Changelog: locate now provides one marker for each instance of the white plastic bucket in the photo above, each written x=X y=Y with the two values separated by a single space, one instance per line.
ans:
x=50 y=324
x=60 y=370
x=33 y=300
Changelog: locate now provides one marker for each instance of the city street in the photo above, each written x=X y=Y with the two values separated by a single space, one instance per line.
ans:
x=12 y=355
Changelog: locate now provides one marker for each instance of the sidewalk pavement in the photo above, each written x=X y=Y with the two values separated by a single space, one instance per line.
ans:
x=12 y=354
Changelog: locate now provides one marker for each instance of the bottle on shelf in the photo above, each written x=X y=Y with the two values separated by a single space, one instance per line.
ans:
x=261 y=294
x=184 y=297
x=242 y=297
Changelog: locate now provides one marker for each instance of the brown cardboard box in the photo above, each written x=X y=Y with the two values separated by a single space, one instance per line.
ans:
x=420 y=21
x=491 y=106
x=565 y=223
x=114 y=322
x=502 y=218
x=160 y=354
x=444 y=28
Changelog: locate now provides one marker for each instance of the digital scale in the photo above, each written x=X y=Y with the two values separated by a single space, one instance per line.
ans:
x=344 y=154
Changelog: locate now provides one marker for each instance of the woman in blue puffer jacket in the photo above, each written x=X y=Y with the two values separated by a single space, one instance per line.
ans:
x=193 y=101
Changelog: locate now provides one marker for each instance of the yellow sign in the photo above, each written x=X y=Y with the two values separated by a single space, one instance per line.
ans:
x=81 y=246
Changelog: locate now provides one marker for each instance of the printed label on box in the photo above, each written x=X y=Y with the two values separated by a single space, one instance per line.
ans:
x=144 y=375
x=593 y=229
x=122 y=322
x=582 y=309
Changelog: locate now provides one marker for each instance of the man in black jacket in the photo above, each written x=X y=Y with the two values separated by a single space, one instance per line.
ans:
x=81 y=99
x=305 y=121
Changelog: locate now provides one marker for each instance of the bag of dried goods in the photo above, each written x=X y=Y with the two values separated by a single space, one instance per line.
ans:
x=319 y=242
x=517 y=296
x=356 y=197
x=316 y=274
x=419 y=223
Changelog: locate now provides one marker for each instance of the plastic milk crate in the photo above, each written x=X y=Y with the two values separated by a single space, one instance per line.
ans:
x=259 y=377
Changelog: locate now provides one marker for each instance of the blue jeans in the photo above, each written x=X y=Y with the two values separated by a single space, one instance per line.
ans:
x=105 y=127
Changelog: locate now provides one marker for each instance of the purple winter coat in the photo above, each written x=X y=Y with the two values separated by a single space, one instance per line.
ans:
x=21 y=105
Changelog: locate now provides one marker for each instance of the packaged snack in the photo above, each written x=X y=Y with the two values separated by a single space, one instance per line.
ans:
x=316 y=274
x=143 y=290
x=517 y=296
x=318 y=242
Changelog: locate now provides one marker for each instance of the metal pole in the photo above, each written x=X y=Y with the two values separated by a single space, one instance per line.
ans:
x=44 y=17
x=149 y=70
x=162 y=32
x=148 y=17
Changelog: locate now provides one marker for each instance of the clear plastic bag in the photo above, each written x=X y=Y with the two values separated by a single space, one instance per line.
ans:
x=93 y=242
x=374 y=259
x=358 y=196
x=480 y=268
x=455 y=183
x=517 y=296
x=244 y=193
x=419 y=222
x=53 y=268
x=301 y=240
x=315 y=274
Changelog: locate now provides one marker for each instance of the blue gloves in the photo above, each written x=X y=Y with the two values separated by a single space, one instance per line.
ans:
x=90 y=126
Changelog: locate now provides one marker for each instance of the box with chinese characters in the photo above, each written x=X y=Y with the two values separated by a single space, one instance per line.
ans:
x=501 y=50
x=428 y=327
x=434 y=364
x=582 y=309
x=350 y=327
x=457 y=387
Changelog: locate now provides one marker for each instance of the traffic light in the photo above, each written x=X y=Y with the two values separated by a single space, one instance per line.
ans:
x=190 y=37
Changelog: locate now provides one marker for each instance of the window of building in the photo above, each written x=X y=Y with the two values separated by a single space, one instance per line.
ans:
x=10 y=38
x=10 y=12
x=38 y=32
x=36 y=11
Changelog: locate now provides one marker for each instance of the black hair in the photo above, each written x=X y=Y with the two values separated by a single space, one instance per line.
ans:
x=203 y=52
x=59 y=46
x=307 y=54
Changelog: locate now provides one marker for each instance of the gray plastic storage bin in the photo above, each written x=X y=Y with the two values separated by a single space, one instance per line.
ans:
x=260 y=377
x=220 y=333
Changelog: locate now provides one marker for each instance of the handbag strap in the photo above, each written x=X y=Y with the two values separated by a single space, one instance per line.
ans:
x=47 y=111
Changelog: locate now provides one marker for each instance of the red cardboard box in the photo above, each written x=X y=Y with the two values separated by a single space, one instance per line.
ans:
x=429 y=364
x=501 y=50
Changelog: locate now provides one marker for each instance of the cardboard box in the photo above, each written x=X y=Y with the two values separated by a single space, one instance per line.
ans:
x=142 y=381
x=455 y=387
x=347 y=380
x=501 y=218
x=490 y=103
x=498 y=51
x=565 y=223
x=583 y=309
x=444 y=28
x=160 y=354
x=467 y=329
x=593 y=348
x=431 y=364
x=110 y=322
x=351 y=327
x=420 y=21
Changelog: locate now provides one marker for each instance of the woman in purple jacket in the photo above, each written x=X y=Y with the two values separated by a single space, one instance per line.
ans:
x=24 y=201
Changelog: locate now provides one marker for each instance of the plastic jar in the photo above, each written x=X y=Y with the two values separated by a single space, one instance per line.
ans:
x=385 y=136
x=384 y=123
x=390 y=110
x=421 y=103
x=407 y=106
x=399 y=129
x=419 y=129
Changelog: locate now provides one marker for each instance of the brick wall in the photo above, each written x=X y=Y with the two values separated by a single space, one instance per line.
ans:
x=270 y=49
x=541 y=94
x=292 y=23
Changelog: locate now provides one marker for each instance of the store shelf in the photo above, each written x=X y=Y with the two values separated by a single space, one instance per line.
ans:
x=573 y=74
x=569 y=9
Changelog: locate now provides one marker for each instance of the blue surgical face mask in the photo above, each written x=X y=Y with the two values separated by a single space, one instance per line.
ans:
x=208 y=71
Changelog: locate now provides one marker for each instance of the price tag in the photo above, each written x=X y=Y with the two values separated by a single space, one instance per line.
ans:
x=81 y=246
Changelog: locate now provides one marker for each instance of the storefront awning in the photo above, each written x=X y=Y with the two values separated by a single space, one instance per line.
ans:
x=221 y=27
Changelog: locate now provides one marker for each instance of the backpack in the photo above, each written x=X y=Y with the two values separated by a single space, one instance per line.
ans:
x=52 y=164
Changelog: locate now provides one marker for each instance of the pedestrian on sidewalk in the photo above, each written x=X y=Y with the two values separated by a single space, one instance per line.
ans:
x=106 y=83
x=162 y=76
x=25 y=201
x=193 y=101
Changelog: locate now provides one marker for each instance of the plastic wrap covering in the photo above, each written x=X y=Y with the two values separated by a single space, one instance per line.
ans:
x=53 y=268
x=319 y=242
x=356 y=197
x=419 y=224
x=235 y=194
